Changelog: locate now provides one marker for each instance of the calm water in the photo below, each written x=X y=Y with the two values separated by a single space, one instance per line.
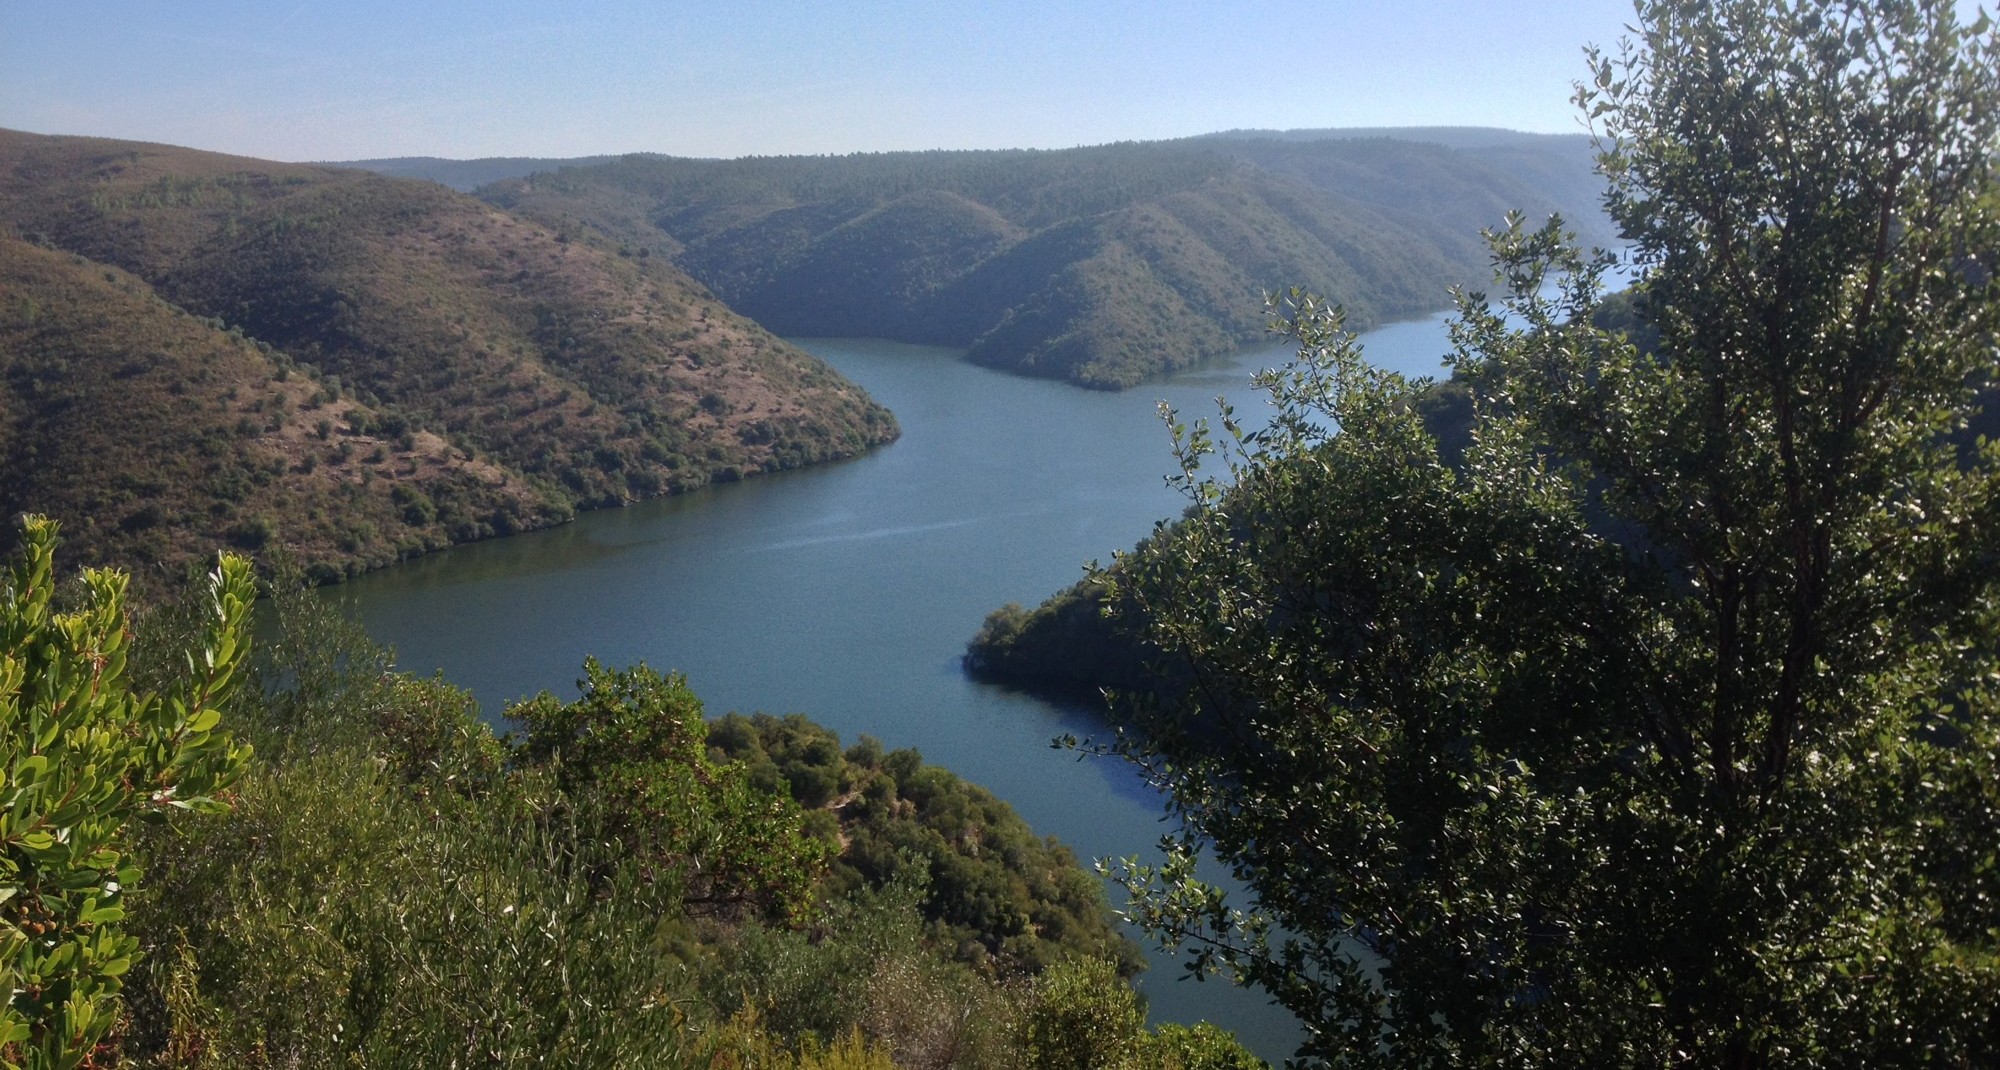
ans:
x=847 y=592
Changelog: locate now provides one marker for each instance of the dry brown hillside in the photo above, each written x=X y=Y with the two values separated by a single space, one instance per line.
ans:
x=570 y=376
x=156 y=436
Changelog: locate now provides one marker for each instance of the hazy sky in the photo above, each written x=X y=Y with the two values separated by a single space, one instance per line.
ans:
x=346 y=79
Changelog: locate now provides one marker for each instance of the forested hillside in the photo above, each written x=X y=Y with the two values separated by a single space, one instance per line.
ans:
x=1561 y=167
x=440 y=344
x=1099 y=265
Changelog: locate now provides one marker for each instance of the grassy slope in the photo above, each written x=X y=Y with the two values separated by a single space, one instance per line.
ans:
x=1102 y=265
x=575 y=376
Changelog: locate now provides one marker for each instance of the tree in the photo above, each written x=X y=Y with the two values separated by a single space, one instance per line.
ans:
x=84 y=756
x=634 y=748
x=1660 y=728
x=1083 y=1017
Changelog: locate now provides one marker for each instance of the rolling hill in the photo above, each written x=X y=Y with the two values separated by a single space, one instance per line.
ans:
x=483 y=348
x=157 y=436
x=1102 y=265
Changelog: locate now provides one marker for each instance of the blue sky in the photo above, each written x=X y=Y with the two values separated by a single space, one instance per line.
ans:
x=345 y=79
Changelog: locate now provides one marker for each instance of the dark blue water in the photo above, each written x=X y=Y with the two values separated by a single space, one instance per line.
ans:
x=847 y=592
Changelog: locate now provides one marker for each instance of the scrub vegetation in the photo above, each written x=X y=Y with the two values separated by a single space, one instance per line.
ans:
x=288 y=854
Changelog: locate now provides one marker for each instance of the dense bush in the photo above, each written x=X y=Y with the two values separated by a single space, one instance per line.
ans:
x=1657 y=728
x=1005 y=899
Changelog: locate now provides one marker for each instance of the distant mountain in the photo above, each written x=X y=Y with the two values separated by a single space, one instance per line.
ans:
x=1563 y=167
x=1454 y=137
x=498 y=374
x=467 y=175
x=1103 y=265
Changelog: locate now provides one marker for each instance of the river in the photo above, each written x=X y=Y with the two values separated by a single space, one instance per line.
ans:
x=846 y=592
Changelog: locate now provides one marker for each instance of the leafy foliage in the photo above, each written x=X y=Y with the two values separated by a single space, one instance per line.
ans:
x=1073 y=645
x=634 y=748
x=1202 y=1046
x=85 y=757
x=869 y=962
x=1082 y=1019
x=1085 y=642
x=1659 y=729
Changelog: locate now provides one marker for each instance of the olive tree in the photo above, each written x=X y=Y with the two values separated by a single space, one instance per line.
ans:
x=1659 y=728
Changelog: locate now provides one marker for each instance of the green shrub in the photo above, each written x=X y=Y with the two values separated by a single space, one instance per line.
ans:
x=85 y=756
x=1202 y=1046
x=635 y=747
x=1082 y=1017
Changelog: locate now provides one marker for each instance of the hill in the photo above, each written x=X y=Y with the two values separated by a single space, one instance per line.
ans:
x=567 y=375
x=1456 y=137
x=158 y=436
x=467 y=175
x=1100 y=265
